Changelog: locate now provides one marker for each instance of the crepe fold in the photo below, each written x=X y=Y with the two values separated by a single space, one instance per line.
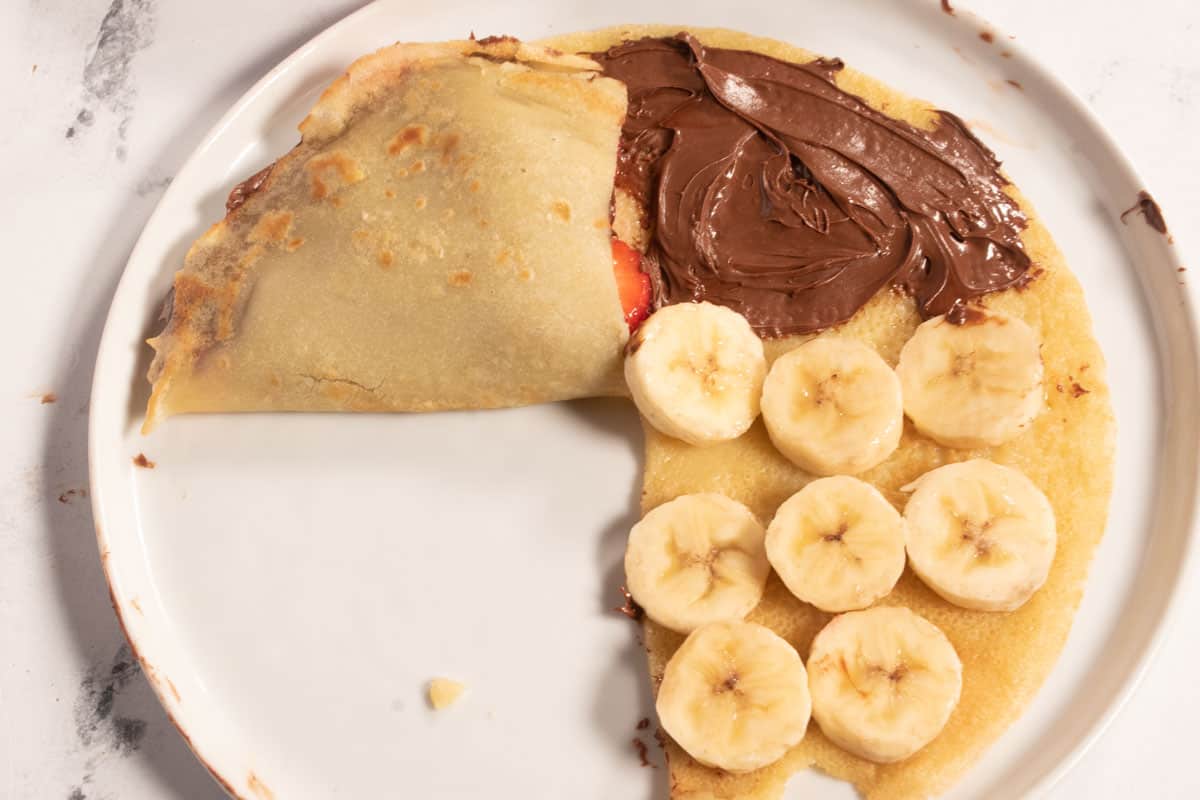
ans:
x=438 y=239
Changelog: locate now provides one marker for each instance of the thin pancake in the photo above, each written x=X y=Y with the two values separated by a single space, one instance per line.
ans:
x=1068 y=454
x=438 y=239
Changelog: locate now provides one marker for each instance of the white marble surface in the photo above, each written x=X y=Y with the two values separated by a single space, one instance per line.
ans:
x=105 y=98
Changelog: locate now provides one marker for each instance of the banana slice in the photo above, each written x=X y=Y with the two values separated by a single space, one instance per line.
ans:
x=884 y=682
x=833 y=406
x=695 y=371
x=981 y=535
x=977 y=384
x=735 y=696
x=698 y=558
x=837 y=544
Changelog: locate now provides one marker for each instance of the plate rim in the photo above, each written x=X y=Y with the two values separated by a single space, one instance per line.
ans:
x=1168 y=619
x=121 y=605
x=1163 y=623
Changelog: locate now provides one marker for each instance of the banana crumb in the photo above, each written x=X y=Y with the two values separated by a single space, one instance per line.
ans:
x=444 y=692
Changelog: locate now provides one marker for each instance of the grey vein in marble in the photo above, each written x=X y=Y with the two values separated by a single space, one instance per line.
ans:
x=126 y=29
x=151 y=186
x=96 y=724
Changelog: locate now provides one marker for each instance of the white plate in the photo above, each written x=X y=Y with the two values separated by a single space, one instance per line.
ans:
x=291 y=581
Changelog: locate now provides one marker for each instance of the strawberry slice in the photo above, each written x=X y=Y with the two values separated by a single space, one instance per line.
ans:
x=633 y=285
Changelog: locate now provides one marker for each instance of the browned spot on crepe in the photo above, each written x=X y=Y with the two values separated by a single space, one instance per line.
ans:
x=272 y=228
x=449 y=145
x=409 y=136
x=330 y=172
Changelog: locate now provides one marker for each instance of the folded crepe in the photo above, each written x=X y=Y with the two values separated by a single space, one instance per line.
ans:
x=438 y=239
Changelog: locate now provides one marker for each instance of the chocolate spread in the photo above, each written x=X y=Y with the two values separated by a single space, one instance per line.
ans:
x=773 y=192
x=1150 y=212
x=241 y=193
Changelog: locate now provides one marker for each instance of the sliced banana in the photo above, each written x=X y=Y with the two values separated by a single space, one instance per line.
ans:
x=837 y=544
x=833 y=406
x=884 y=682
x=695 y=371
x=981 y=535
x=698 y=558
x=977 y=384
x=735 y=696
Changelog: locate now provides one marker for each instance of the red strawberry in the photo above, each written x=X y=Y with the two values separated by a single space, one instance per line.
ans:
x=633 y=285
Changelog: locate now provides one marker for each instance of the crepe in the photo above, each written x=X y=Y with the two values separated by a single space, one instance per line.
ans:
x=438 y=239
x=1068 y=453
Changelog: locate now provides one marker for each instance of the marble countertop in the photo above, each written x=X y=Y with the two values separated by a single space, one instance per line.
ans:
x=106 y=98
